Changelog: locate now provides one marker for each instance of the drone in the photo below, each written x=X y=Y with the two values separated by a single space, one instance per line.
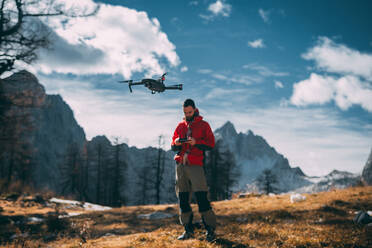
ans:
x=155 y=85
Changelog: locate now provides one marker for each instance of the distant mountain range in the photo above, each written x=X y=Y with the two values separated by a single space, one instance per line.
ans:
x=53 y=135
x=335 y=179
x=253 y=155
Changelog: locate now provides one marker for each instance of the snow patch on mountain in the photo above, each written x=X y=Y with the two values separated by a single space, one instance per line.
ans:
x=335 y=179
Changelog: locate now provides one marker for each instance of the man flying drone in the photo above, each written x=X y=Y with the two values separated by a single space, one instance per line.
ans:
x=155 y=85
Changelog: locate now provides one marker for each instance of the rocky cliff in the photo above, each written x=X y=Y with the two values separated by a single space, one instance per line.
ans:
x=367 y=171
x=39 y=125
x=253 y=155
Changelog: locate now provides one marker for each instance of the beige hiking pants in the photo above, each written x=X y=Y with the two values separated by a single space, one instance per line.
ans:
x=191 y=178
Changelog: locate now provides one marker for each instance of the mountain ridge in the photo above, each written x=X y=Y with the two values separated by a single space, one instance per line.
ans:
x=253 y=155
x=55 y=134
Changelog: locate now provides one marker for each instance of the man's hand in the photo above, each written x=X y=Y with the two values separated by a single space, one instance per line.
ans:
x=177 y=142
x=191 y=141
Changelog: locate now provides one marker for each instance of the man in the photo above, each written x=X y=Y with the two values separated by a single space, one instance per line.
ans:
x=191 y=138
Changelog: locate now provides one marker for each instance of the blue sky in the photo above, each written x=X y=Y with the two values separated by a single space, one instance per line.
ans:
x=298 y=73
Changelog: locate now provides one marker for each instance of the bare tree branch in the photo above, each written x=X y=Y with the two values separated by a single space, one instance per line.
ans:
x=22 y=33
x=14 y=28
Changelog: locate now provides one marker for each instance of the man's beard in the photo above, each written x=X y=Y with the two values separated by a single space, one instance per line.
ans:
x=190 y=118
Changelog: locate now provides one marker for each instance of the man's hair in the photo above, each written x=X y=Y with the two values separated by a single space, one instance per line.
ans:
x=189 y=102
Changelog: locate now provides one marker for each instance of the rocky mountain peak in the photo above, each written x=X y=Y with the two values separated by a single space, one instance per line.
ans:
x=297 y=170
x=336 y=173
x=22 y=89
x=100 y=139
x=250 y=133
x=227 y=130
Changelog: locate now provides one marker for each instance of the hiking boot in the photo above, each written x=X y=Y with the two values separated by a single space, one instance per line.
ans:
x=210 y=234
x=188 y=233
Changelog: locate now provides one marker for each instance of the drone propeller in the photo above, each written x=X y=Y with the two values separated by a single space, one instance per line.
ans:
x=163 y=76
x=174 y=87
x=130 y=83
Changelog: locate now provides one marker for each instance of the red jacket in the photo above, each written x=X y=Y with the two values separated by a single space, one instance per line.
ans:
x=203 y=135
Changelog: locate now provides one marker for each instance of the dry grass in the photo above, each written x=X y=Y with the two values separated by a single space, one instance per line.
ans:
x=322 y=220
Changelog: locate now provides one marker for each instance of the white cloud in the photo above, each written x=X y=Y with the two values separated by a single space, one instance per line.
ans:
x=350 y=90
x=224 y=93
x=345 y=92
x=278 y=85
x=184 y=69
x=220 y=76
x=256 y=43
x=264 y=71
x=205 y=71
x=242 y=78
x=206 y=17
x=234 y=78
x=338 y=58
x=265 y=15
x=116 y=40
x=315 y=90
x=220 y=8
x=352 y=85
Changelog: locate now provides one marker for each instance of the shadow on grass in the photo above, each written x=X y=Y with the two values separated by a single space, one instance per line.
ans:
x=17 y=228
x=227 y=243
x=325 y=215
x=123 y=222
x=270 y=217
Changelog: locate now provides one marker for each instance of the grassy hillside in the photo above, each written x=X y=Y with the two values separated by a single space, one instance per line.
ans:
x=322 y=220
